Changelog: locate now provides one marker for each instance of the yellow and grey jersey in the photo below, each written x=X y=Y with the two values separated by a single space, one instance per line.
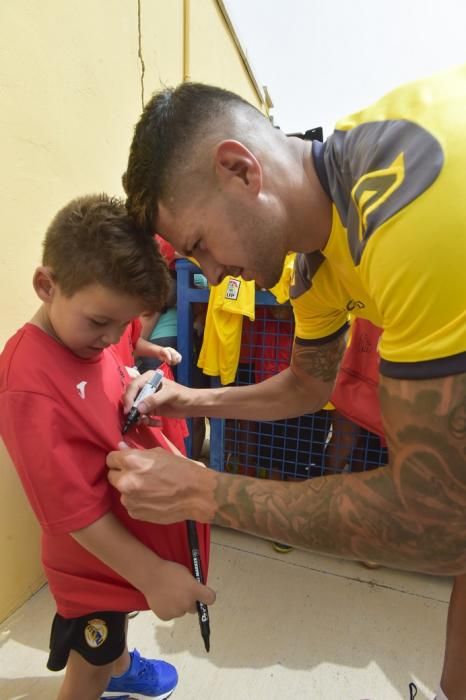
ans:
x=396 y=255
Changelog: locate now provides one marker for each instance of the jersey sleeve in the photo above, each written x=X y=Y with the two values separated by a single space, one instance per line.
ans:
x=319 y=315
x=375 y=170
x=398 y=189
x=62 y=472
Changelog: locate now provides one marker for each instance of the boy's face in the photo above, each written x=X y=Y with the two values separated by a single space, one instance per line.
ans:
x=92 y=319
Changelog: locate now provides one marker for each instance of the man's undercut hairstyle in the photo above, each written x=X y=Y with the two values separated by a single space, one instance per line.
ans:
x=172 y=124
x=93 y=240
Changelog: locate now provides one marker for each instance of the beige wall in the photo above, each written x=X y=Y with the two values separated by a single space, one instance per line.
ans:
x=70 y=92
x=213 y=56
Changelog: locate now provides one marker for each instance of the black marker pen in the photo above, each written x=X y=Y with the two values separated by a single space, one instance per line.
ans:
x=148 y=389
x=202 y=609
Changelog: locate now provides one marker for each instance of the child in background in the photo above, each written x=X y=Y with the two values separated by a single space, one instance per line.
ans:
x=130 y=343
x=132 y=346
x=61 y=383
x=139 y=353
x=160 y=330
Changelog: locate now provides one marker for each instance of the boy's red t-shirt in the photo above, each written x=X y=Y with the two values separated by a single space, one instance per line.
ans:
x=60 y=415
x=167 y=250
x=127 y=343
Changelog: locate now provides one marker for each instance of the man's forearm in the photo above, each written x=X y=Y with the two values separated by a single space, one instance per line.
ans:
x=305 y=387
x=281 y=396
x=355 y=516
x=411 y=514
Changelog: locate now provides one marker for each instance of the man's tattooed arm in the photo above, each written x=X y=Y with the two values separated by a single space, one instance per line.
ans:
x=410 y=514
x=318 y=362
x=302 y=388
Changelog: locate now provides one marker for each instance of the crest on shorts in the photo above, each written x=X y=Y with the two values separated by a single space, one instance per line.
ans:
x=95 y=633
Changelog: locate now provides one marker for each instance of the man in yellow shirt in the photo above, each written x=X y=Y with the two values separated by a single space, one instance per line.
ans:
x=377 y=215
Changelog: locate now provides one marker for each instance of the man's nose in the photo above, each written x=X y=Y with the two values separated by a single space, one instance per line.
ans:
x=214 y=271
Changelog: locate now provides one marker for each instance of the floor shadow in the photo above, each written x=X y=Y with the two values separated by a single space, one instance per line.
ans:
x=298 y=629
x=26 y=688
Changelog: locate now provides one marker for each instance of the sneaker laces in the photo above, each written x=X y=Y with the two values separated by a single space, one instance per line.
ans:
x=143 y=669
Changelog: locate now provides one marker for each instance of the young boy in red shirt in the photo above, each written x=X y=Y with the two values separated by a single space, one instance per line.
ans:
x=61 y=383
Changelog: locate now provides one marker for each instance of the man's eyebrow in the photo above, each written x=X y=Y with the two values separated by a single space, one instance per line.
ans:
x=188 y=251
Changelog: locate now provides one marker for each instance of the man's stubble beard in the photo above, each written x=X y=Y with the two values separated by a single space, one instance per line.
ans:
x=264 y=247
x=269 y=260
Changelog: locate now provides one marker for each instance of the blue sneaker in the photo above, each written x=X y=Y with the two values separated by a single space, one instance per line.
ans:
x=145 y=678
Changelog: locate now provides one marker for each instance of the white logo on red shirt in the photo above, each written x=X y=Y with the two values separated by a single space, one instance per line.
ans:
x=81 y=387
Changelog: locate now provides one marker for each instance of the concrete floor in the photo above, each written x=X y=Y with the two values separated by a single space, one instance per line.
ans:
x=284 y=626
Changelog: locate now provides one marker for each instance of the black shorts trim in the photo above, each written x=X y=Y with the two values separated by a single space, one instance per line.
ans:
x=99 y=637
x=322 y=341
x=429 y=369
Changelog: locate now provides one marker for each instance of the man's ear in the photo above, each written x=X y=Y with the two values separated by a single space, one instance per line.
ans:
x=44 y=284
x=236 y=166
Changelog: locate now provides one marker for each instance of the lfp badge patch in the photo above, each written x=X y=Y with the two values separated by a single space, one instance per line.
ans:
x=233 y=289
x=95 y=633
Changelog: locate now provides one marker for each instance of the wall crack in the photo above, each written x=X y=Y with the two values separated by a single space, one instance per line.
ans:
x=140 y=56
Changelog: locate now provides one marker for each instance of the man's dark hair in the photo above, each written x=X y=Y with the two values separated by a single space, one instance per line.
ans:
x=94 y=240
x=172 y=122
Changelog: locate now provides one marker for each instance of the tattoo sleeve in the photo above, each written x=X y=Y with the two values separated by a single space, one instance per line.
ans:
x=320 y=362
x=410 y=514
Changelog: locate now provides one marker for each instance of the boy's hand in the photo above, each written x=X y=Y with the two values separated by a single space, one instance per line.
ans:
x=169 y=588
x=169 y=355
x=175 y=591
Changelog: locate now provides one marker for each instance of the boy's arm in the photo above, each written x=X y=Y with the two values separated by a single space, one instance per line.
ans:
x=148 y=323
x=169 y=588
x=169 y=355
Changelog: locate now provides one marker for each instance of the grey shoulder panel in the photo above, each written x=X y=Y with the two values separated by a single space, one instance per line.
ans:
x=305 y=267
x=376 y=169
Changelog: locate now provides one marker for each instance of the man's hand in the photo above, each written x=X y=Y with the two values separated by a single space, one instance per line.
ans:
x=169 y=400
x=160 y=487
